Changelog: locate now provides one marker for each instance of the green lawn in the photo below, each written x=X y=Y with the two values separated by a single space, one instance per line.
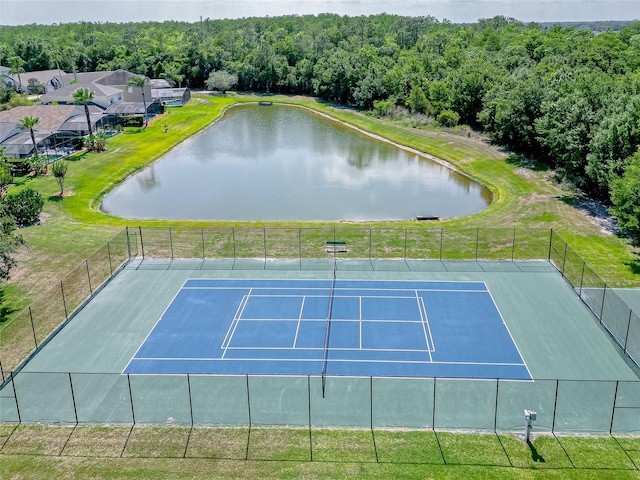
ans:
x=177 y=452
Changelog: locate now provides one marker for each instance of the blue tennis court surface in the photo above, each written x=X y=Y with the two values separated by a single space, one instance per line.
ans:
x=380 y=328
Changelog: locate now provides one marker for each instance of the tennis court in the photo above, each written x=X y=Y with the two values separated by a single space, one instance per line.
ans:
x=268 y=327
x=309 y=327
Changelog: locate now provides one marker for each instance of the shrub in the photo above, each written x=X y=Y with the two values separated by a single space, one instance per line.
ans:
x=25 y=206
x=448 y=118
x=383 y=107
x=19 y=166
x=132 y=121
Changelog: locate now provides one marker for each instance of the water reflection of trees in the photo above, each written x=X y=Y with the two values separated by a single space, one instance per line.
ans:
x=147 y=179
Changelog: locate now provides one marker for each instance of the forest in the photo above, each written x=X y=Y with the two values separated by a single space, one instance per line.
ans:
x=564 y=97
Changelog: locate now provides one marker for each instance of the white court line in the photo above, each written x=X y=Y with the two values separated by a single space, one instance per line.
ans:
x=333 y=320
x=335 y=360
x=154 y=326
x=336 y=349
x=295 y=337
x=238 y=317
x=423 y=315
x=508 y=331
x=227 y=338
x=426 y=317
x=360 y=321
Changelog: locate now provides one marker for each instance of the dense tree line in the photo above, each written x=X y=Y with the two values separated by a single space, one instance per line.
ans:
x=563 y=95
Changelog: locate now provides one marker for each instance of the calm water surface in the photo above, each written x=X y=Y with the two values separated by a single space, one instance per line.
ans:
x=286 y=163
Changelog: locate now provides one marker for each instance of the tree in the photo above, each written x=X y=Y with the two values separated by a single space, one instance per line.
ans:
x=625 y=196
x=140 y=82
x=59 y=170
x=83 y=96
x=25 y=206
x=15 y=64
x=28 y=123
x=9 y=242
x=35 y=86
x=417 y=100
x=6 y=177
x=221 y=80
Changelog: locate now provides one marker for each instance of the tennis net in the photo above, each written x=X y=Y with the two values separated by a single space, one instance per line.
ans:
x=327 y=329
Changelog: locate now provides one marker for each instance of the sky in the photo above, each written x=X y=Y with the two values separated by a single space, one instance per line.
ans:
x=19 y=12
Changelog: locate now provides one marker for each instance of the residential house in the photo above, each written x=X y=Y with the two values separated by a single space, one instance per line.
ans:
x=33 y=82
x=58 y=126
x=109 y=87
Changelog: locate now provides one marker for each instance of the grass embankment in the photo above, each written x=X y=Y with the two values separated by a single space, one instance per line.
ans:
x=175 y=452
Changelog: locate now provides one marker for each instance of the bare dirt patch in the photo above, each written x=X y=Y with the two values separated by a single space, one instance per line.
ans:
x=598 y=214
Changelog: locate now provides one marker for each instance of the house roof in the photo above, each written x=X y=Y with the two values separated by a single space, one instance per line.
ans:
x=109 y=77
x=51 y=116
x=7 y=129
x=42 y=76
x=67 y=91
x=78 y=123
x=22 y=144
x=159 y=83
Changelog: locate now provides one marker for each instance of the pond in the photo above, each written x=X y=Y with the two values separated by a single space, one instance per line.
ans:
x=283 y=162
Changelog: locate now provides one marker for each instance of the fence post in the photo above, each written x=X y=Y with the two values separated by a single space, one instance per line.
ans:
x=248 y=400
x=171 y=243
x=109 y=255
x=33 y=328
x=495 y=408
x=15 y=396
x=233 y=241
x=2 y=371
x=564 y=259
x=405 y=244
x=190 y=401
x=128 y=242
x=613 y=410
x=141 y=241
x=604 y=296
x=550 y=244
x=73 y=399
x=626 y=337
x=371 y=401
x=433 y=413
x=477 y=242
x=264 y=243
x=300 y=247
x=555 y=405
x=133 y=411
x=309 y=400
x=86 y=262
x=204 y=256
x=64 y=301
x=584 y=264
